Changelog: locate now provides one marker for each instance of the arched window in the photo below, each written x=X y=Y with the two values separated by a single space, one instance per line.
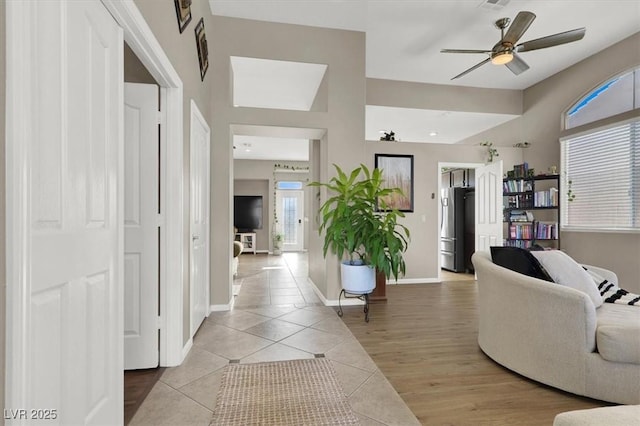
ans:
x=601 y=158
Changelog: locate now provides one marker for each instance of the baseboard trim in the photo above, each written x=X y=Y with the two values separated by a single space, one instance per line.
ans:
x=333 y=302
x=187 y=347
x=221 y=308
x=414 y=281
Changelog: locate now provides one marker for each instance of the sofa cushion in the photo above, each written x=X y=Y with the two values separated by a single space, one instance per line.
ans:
x=618 y=333
x=566 y=271
x=619 y=343
x=519 y=260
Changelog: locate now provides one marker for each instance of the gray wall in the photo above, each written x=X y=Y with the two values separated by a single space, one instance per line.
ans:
x=422 y=256
x=3 y=252
x=134 y=70
x=182 y=52
x=344 y=53
x=544 y=105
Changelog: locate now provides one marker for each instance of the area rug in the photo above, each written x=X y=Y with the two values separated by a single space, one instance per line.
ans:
x=298 y=392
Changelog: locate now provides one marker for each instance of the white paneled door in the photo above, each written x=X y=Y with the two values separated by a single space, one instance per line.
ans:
x=141 y=225
x=489 y=206
x=200 y=135
x=65 y=318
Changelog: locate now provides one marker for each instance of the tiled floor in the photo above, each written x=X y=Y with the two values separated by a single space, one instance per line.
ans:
x=276 y=316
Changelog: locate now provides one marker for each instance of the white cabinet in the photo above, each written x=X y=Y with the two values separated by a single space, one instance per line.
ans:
x=248 y=240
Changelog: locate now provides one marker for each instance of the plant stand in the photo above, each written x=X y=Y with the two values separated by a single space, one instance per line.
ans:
x=364 y=297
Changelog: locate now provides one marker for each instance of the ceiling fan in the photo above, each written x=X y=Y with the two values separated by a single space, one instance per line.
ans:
x=505 y=52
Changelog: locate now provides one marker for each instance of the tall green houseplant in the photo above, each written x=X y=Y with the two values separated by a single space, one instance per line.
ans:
x=359 y=225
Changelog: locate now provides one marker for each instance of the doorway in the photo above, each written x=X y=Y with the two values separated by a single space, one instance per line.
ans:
x=290 y=216
x=478 y=187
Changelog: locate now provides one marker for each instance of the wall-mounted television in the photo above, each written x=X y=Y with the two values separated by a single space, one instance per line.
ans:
x=247 y=212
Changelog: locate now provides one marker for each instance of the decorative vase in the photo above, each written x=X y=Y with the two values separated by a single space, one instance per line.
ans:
x=357 y=278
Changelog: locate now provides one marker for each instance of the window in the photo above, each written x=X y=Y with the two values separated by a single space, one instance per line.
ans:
x=615 y=96
x=288 y=185
x=602 y=170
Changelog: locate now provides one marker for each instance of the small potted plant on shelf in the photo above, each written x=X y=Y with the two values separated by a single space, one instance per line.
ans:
x=361 y=229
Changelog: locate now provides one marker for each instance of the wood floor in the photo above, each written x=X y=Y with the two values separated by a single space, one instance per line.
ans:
x=424 y=340
x=137 y=385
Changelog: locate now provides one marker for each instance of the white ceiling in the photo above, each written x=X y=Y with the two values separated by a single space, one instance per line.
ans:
x=404 y=38
x=417 y=125
x=270 y=148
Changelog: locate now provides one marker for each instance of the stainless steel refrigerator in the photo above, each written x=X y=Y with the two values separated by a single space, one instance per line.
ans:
x=452 y=252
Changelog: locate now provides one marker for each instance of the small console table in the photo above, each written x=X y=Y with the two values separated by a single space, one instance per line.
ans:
x=248 y=240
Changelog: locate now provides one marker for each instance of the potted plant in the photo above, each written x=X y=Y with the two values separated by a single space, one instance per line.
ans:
x=361 y=229
x=278 y=238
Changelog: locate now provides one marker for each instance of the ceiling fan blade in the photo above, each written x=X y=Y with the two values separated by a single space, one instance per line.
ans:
x=519 y=25
x=517 y=64
x=472 y=68
x=552 y=40
x=463 y=51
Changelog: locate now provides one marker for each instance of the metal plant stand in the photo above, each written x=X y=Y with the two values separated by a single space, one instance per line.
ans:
x=364 y=297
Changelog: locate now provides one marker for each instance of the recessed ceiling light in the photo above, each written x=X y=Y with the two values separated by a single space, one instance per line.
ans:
x=433 y=133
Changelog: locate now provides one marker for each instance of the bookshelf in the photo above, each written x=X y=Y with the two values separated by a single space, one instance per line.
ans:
x=532 y=211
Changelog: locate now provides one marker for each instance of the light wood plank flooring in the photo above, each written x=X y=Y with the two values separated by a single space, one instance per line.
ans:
x=424 y=340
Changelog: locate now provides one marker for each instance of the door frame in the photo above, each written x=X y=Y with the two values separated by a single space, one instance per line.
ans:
x=442 y=165
x=140 y=38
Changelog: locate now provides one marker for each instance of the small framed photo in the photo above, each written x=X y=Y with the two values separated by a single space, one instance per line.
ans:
x=183 y=11
x=397 y=172
x=203 y=51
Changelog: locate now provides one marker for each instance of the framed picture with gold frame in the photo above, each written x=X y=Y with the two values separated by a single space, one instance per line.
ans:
x=183 y=11
x=203 y=51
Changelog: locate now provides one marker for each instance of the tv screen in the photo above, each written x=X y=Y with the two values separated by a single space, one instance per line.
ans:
x=247 y=212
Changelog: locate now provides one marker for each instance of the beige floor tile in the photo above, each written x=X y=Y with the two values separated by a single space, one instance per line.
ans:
x=274 y=329
x=304 y=317
x=240 y=320
x=350 y=352
x=198 y=363
x=333 y=325
x=251 y=301
x=205 y=389
x=314 y=341
x=283 y=284
x=350 y=378
x=285 y=291
x=377 y=399
x=228 y=343
x=366 y=421
x=276 y=352
x=273 y=311
x=286 y=300
x=166 y=406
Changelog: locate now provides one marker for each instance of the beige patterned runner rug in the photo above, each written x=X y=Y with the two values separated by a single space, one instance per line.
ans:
x=298 y=392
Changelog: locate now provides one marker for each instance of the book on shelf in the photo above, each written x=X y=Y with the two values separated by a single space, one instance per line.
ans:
x=516 y=185
x=546 y=230
x=525 y=244
x=548 y=198
x=521 y=231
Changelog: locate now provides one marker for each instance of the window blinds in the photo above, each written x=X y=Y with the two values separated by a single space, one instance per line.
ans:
x=602 y=170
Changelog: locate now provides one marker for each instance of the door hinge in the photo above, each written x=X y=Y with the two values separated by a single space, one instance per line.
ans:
x=160 y=323
x=160 y=117
x=160 y=220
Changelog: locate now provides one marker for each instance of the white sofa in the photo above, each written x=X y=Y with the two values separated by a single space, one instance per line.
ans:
x=548 y=332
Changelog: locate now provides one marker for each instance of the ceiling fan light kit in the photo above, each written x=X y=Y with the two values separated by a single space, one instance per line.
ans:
x=504 y=52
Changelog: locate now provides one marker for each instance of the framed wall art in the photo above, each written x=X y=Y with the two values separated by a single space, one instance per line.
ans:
x=203 y=51
x=183 y=11
x=397 y=172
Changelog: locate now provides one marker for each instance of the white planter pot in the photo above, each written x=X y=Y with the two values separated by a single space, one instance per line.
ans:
x=357 y=278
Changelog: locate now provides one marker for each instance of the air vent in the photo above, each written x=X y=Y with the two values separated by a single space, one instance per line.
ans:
x=493 y=4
